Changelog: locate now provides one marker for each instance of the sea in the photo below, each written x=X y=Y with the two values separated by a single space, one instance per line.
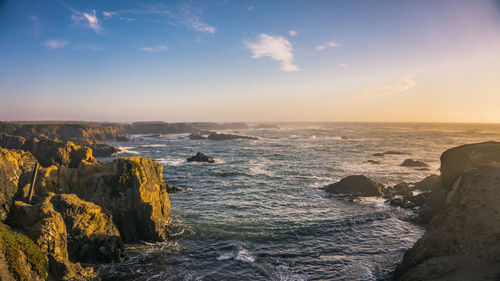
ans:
x=260 y=213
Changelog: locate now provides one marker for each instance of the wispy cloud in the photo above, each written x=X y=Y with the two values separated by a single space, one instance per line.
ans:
x=275 y=47
x=331 y=44
x=343 y=64
x=88 y=20
x=405 y=83
x=191 y=18
x=250 y=8
x=292 y=33
x=154 y=49
x=55 y=44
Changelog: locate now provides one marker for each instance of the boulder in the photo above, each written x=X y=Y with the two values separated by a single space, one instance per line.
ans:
x=409 y=201
x=414 y=163
x=94 y=237
x=428 y=184
x=222 y=136
x=401 y=189
x=131 y=189
x=373 y=161
x=201 y=157
x=357 y=185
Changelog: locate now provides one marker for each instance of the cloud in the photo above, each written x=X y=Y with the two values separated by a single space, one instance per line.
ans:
x=250 y=8
x=191 y=18
x=55 y=44
x=154 y=49
x=275 y=47
x=405 y=84
x=292 y=33
x=343 y=64
x=89 y=20
x=331 y=44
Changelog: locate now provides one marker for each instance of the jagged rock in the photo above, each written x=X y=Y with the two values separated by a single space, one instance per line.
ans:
x=358 y=185
x=131 y=189
x=402 y=189
x=197 y=136
x=409 y=201
x=94 y=237
x=45 y=226
x=51 y=152
x=14 y=164
x=414 y=163
x=200 y=157
x=464 y=233
x=222 y=136
x=11 y=142
x=373 y=161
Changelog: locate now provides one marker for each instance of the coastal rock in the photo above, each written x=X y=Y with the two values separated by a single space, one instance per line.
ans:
x=414 y=163
x=94 y=237
x=401 y=189
x=131 y=189
x=378 y=154
x=428 y=184
x=373 y=161
x=51 y=152
x=45 y=226
x=200 y=157
x=409 y=201
x=464 y=233
x=223 y=136
x=11 y=142
x=20 y=257
x=266 y=126
x=197 y=136
x=392 y=152
x=357 y=185
x=14 y=164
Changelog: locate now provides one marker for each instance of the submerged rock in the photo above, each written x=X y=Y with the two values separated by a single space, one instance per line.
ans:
x=357 y=185
x=414 y=163
x=200 y=157
x=222 y=136
x=196 y=136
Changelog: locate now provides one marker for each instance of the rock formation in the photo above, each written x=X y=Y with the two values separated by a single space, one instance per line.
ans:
x=201 y=157
x=51 y=152
x=414 y=163
x=357 y=185
x=462 y=241
x=222 y=136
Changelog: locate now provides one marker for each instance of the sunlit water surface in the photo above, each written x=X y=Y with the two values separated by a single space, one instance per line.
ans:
x=259 y=213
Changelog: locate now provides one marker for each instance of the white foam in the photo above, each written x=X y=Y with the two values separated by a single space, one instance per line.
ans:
x=225 y=256
x=377 y=202
x=171 y=162
x=155 y=145
x=127 y=149
x=244 y=256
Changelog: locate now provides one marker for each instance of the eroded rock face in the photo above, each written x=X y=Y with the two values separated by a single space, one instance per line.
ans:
x=52 y=152
x=357 y=185
x=131 y=189
x=94 y=237
x=464 y=233
x=45 y=226
x=14 y=164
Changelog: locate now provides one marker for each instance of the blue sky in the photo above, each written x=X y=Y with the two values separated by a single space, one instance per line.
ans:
x=250 y=60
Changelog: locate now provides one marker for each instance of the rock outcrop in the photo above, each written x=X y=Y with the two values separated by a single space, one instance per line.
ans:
x=201 y=157
x=462 y=241
x=53 y=152
x=45 y=226
x=196 y=136
x=223 y=136
x=11 y=142
x=414 y=163
x=131 y=189
x=94 y=237
x=357 y=185
x=14 y=165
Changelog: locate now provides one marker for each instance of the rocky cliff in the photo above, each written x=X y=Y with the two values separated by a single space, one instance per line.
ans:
x=462 y=241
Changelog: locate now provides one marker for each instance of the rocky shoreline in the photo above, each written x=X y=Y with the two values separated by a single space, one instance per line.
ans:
x=83 y=211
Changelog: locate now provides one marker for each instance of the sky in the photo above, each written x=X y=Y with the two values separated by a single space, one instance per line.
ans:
x=250 y=60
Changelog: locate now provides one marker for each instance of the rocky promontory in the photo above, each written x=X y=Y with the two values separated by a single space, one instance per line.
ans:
x=462 y=241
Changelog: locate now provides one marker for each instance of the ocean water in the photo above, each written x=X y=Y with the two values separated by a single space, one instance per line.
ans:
x=259 y=213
